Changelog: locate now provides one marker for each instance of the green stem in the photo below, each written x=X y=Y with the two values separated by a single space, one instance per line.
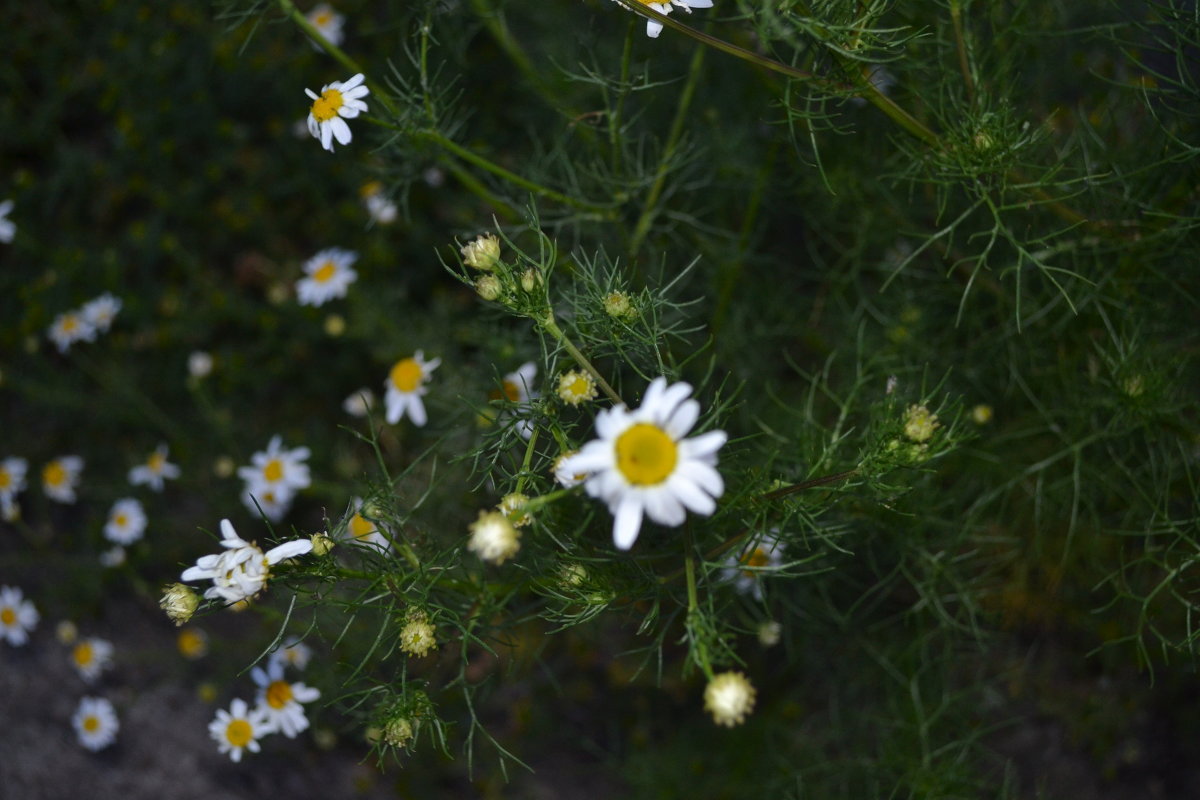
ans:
x=551 y=327
x=961 y=45
x=527 y=461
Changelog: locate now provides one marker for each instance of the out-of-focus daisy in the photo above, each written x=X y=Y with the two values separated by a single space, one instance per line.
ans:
x=327 y=22
x=272 y=503
x=155 y=470
x=493 y=537
x=642 y=466
x=406 y=385
x=192 y=643
x=359 y=403
x=381 y=210
x=729 y=697
x=199 y=364
x=746 y=569
x=565 y=474
x=8 y=228
x=239 y=729
x=293 y=653
x=654 y=27
x=126 y=522
x=114 y=556
x=101 y=311
x=12 y=482
x=17 y=616
x=95 y=722
x=518 y=387
x=338 y=102
x=91 y=656
x=363 y=530
x=60 y=477
x=241 y=570
x=328 y=274
x=281 y=700
x=70 y=327
x=277 y=470
x=66 y=632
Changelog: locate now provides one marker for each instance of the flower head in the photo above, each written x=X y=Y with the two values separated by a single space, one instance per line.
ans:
x=327 y=22
x=70 y=327
x=100 y=312
x=493 y=537
x=113 y=557
x=654 y=27
x=642 y=466
x=8 y=228
x=239 y=729
x=126 y=522
x=328 y=275
x=381 y=210
x=729 y=697
x=338 y=102
x=363 y=530
x=92 y=656
x=95 y=723
x=418 y=636
x=746 y=568
x=200 y=364
x=241 y=570
x=155 y=470
x=293 y=653
x=575 y=387
x=192 y=643
x=982 y=414
x=281 y=701
x=565 y=474
x=510 y=504
x=277 y=470
x=17 y=616
x=360 y=403
x=270 y=503
x=60 y=477
x=483 y=252
x=12 y=482
x=179 y=601
x=919 y=424
x=769 y=632
x=406 y=385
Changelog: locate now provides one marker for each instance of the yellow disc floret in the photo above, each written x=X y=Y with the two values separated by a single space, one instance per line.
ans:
x=53 y=474
x=646 y=455
x=273 y=471
x=406 y=375
x=326 y=107
x=239 y=733
x=326 y=272
x=279 y=694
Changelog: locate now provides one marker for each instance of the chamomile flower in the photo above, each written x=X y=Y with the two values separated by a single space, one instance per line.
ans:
x=363 y=530
x=95 y=723
x=747 y=568
x=126 y=522
x=359 y=403
x=405 y=387
x=338 y=102
x=919 y=423
x=155 y=470
x=241 y=570
x=566 y=476
x=483 y=252
x=70 y=327
x=60 y=477
x=17 y=616
x=518 y=388
x=327 y=22
x=642 y=466
x=381 y=210
x=271 y=503
x=654 y=27
x=277 y=470
x=281 y=701
x=239 y=729
x=328 y=275
x=12 y=482
x=510 y=504
x=91 y=656
x=493 y=537
x=192 y=643
x=418 y=635
x=293 y=653
x=100 y=312
x=575 y=387
x=200 y=364
x=8 y=228
x=729 y=697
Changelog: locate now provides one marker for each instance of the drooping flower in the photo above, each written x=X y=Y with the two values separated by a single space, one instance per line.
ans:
x=729 y=697
x=328 y=275
x=155 y=470
x=95 y=723
x=493 y=537
x=101 y=311
x=12 y=483
x=241 y=570
x=91 y=656
x=281 y=701
x=642 y=466
x=70 y=327
x=654 y=27
x=745 y=569
x=18 y=616
x=126 y=522
x=405 y=387
x=8 y=229
x=60 y=477
x=239 y=729
x=277 y=470
x=338 y=102
x=327 y=22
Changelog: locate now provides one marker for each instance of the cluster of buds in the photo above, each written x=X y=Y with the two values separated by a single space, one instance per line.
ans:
x=499 y=283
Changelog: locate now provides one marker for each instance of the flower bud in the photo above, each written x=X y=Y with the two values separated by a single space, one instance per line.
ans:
x=180 y=602
x=483 y=253
x=489 y=287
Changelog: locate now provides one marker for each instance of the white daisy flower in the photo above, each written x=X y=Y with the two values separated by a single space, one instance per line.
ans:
x=113 y=557
x=277 y=470
x=200 y=364
x=100 y=312
x=241 y=570
x=564 y=474
x=642 y=465
x=405 y=386
x=293 y=653
x=329 y=275
x=60 y=477
x=327 y=22
x=95 y=722
x=271 y=503
x=70 y=327
x=381 y=210
x=8 y=228
x=92 y=656
x=729 y=697
x=12 y=482
x=126 y=522
x=363 y=530
x=747 y=568
x=155 y=470
x=239 y=729
x=359 y=403
x=338 y=102
x=17 y=616
x=518 y=388
x=281 y=701
x=654 y=27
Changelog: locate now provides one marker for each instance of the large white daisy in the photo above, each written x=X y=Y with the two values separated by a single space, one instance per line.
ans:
x=241 y=570
x=338 y=102
x=405 y=386
x=328 y=275
x=642 y=466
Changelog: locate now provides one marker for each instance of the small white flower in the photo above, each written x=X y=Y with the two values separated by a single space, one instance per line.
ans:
x=292 y=653
x=12 y=483
x=642 y=465
x=338 y=102
x=493 y=537
x=729 y=697
x=126 y=522
x=100 y=312
x=92 y=656
x=155 y=470
x=363 y=530
x=654 y=27
x=418 y=636
x=60 y=477
x=17 y=616
x=281 y=701
x=327 y=22
x=518 y=388
x=199 y=364
x=746 y=568
x=70 y=327
x=95 y=722
x=113 y=557
x=8 y=228
x=239 y=729
x=328 y=275
x=359 y=403
x=277 y=470
x=563 y=472
x=271 y=503
x=381 y=210
x=769 y=633
x=405 y=387
x=510 y=504
x=241 y=570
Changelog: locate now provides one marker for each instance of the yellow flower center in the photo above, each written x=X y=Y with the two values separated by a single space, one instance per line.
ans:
x=325 y=107
x=273 y=471
x=322 y=19
x=69 y=324
x=326 y=272
x=754 y=558
x=191 y=643
x=155 y=462
x=5 y=479
x=91 y=724
x=361 y=527
x=406 y=375
x=120 y=520
x=239 y=733
x=279 y=694
x=53 y=474
x=83 y=654
x=8 y=617
x=512 y=392
x=578 y=387
x=646 y=455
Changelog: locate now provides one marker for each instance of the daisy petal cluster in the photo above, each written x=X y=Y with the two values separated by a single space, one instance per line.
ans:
x=363 y=530
x=84 y=323
x=405 y=386
x=101 y=311
x=241 y=570
x=337 y=102
x=239 y=729
x=17 y=616
x=60 y=477
x=126 y=522
x=12 y=483
x=95 y=723
x=281 y=701
x=273 y=478
x=154 y=471
x=8 y=229
x=327 y=275
x=654 y=27
x=92 y=656
x=746 y=568
x=642 y=466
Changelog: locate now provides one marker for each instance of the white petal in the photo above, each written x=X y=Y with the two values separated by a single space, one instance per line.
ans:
x=703 y=475
x=683 y=419
x=416 y=411
x=327 y=136
x=289 y=550
x=691 y=495
x=612 y=422
x=341 y=130
x=627 y=521
x=663 y=507
x=704 y=446
x=668 y=402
